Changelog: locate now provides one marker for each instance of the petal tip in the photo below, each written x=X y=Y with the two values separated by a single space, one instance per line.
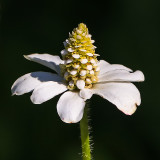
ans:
x=13 y=94
x=132 y=110
x=141 y=75
x=34 y=101
x=26 y=56
x=29 y=57
x=69 y=122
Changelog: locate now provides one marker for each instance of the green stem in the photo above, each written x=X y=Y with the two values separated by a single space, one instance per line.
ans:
x=86 y=151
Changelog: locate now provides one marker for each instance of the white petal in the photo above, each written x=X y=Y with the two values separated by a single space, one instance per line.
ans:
x=79 y=37
x=86 y=93
x=96 y=55
x=78 y=31
x=46 y=91
x=89 y=67
x=77 y=46
x=64 y=52
x=124 y=95
x=66 y=74
x=106 y=67
x=71 y=83
x=80 y=84
x=92 y=61
x=84 y=61
x=72 y=39
x=76 y=66
x=92 y=41
x=88 y=36
x=97 y=69
x=68 y=61
x=89 y=54
x=95 y=65
x=94 y=47
x=30 y=81
x=122 y=76
x=73 y=72
x=73 y=33
x=88 y=81
x=83 y=50
x=91 y=72
x=70 y=107
x=83 y=42
x=83 y=72
x=47 y=60
x=70 y=50
x=75 y=56
x=65 y=43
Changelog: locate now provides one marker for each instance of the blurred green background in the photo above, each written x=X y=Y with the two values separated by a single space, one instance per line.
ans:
x=126 y=32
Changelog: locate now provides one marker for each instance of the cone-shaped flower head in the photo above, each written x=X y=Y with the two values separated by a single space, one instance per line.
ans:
x=80 y=69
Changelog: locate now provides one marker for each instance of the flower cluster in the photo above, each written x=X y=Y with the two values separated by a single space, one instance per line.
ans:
x=81 y=64
x=83 y=75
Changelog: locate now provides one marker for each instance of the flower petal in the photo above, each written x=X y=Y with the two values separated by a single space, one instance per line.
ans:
x=121 y=76
x=106 y=67
x=86 y=93
x=46 y=91
x=47 y=60
x=80 y=84
x=124 y=95
x=29 y=81
x=70 y=107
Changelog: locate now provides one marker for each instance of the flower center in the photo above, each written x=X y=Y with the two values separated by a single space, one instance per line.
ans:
x=80 y=69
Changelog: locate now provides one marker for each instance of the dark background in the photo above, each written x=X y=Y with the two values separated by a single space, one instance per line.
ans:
x=126 y=32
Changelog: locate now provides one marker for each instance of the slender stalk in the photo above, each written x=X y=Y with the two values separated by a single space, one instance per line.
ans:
x=86 y=151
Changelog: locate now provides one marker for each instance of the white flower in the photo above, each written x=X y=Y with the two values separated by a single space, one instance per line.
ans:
x=113 y=83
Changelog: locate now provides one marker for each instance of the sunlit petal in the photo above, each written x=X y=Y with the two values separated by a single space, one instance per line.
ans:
x=47 y=60
x=70 y=107
x=30 y=81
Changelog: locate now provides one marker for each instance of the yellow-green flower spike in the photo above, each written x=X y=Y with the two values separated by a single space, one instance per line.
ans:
x=80 y=68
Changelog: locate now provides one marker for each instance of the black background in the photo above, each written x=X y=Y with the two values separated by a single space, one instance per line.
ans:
x=126 y=32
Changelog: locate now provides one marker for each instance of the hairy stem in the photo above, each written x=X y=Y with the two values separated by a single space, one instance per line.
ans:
x=86 y=151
